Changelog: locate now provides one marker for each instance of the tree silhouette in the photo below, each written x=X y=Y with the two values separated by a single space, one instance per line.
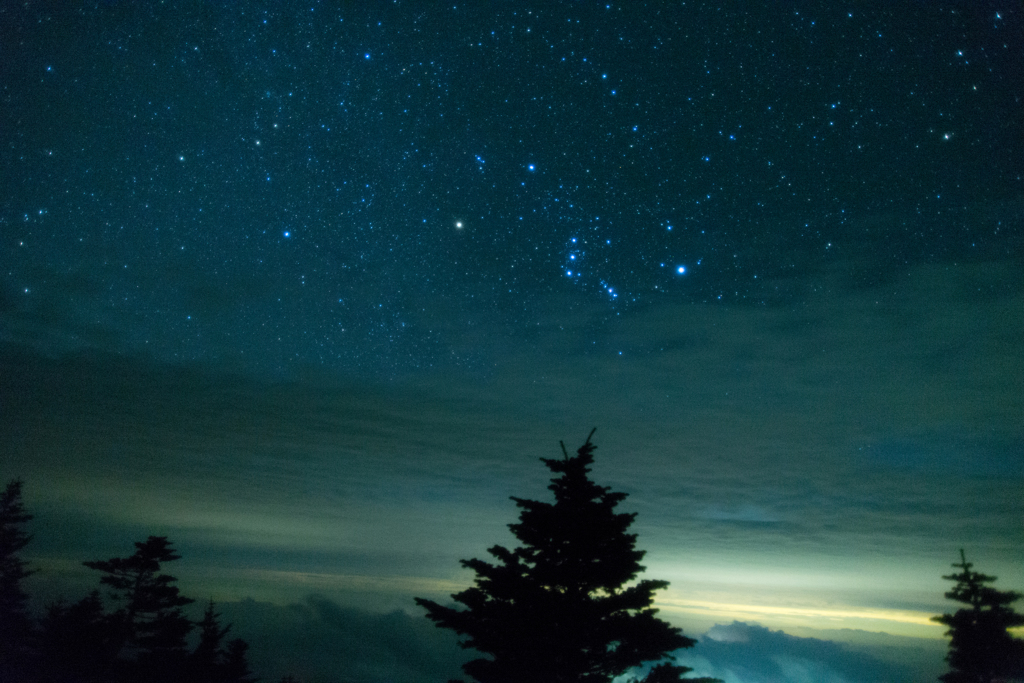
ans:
x=563 y=606
x=75 y=641
x=143 y=639
x=16 y=628
x=149 y=624
x=211 y=662
x=14 y=620
x=236 y=666
x=980 y=648
x=206 y=660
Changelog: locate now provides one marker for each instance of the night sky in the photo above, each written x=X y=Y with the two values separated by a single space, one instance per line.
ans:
x=310 y=290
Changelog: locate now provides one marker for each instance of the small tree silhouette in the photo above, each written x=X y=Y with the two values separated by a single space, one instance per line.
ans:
x=563 y=606
x=149 y=623
x=211 y=662
x=236 y=666
x=980 y=648
x=16 y=628
x=14 y=621
x=207 y=659
x=75 y=641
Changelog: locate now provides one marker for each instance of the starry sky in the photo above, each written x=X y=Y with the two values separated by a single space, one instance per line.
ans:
x=310 y=287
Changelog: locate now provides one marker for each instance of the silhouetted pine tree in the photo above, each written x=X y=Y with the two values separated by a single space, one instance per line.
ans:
x=149 y=623
x=75 y=642
x=980 y=648
x=15 y=625
x=236 y=665
x=14 y=620
x=206 y=660
x=562 y=607
x=211 y=662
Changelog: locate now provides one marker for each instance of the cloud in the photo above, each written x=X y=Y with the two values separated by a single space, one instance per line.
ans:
x=746 y=653
x=736 y=632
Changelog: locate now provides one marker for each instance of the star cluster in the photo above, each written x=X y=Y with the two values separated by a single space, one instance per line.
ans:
x=380 y=188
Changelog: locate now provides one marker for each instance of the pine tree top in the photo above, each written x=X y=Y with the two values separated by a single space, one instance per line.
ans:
x=563 y=605
x=578 y=543
x=970 y=587
x=12 y=517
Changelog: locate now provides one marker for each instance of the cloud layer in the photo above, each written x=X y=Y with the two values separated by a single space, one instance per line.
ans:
x=745 y=653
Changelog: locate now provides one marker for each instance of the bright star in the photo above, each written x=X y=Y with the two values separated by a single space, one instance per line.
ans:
x=681 y=270
x=458 y=225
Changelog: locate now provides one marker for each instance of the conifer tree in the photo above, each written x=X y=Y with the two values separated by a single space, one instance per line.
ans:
x=75 y=641
x=563 y=607
x=212 y=662
x=149 y=623
x=16 y=628
x=236 y=664
x=981 y=650
x=206 y=660
x=14 y=621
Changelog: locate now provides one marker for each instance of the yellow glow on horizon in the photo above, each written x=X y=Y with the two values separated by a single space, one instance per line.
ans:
x=831 y=617
x=877 y=619
x=814 y=613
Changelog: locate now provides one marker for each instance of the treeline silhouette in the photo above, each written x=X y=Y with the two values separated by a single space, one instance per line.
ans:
x=138 y=633
x=563 y=607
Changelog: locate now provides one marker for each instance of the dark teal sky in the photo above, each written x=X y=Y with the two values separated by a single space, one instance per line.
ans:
x=311 y=290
